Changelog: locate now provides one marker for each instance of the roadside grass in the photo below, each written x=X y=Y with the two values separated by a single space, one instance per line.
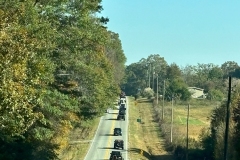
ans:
x=80 y=140
x=145 y=136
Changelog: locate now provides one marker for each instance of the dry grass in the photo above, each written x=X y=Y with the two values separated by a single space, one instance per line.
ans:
x=145 y=136
x=80 y=142
x=198 y=119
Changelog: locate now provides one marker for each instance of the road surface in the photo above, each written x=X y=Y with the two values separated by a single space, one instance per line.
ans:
x=102 y=144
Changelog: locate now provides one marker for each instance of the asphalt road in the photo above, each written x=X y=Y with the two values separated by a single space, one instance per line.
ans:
x=102 y=144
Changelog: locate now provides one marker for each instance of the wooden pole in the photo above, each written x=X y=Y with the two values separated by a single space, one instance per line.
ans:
x=153 y=79
x=149 y=75
x=172 y=123
x=157 y=90
x=227 y=118
x=163 y=99
x=187 y=132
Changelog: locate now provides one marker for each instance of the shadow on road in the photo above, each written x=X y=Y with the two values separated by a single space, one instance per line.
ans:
x=106 y=134
x=162 y=157
x=106 y=148
x=117 y=149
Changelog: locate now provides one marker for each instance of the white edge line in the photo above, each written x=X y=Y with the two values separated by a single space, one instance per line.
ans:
x=94 y=137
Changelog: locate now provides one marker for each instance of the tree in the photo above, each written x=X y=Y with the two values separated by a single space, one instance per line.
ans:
x=236 y=119
x=134 y=79
x=228 y=67
x=26 y=71
x=189 y=75
x=55 y=71
x=173 y=71
x=236 y=73
x=177 y=89
x=114 y=53
x=158 y=67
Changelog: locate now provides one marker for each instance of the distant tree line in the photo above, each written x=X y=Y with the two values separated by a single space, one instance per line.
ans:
x=212 y=78
x=175 y=80
x=59 y=66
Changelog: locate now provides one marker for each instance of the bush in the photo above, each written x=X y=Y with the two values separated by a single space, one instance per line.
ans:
x=215 y=95
x=148 y=92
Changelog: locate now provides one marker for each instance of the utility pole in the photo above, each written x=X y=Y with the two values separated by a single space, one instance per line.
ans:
x=157 y=90
x=147 y=79
x=172 y=122
x=163 y=99
x=149 y=68
x=153 y=79
x=227 y=118
x=187 y=131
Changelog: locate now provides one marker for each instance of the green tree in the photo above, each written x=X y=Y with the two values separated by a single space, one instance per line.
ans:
x=177 y=89
x=189 y=75
x=173 y=71
x=55 y=71
x=236 y=73
x=134 y=79
x=228 y=67
x=158 y=68
x=114 y=53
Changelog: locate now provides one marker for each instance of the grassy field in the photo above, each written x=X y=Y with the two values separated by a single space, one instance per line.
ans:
x=146 y=136
x=198 y=117
x=145 y=140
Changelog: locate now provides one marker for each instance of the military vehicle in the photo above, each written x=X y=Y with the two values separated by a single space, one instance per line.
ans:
x=122 y=106
x=117 y=132
x=121 y=116
x=122 y=94
x=116 y=155
x=118 y=144
x=122 y=111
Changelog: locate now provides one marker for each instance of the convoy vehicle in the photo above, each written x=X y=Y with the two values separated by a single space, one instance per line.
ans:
x=116 y=155
x=118 y=144
x=122 y=106
x=120 y=117
x=122 y=101
x=122 y=111
x=117 y=132
x=122 y=94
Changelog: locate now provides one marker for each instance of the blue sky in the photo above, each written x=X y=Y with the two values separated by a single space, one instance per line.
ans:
x=185 y=32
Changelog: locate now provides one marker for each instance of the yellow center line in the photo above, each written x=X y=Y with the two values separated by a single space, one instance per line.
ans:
x=107 y=152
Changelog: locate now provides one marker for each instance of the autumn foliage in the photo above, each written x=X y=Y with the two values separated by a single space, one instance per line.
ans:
x=58 y=67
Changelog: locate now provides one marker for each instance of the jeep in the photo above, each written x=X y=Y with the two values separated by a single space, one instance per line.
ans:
x=117 y=131
x=116 y=155
x=122 y=101
x=118 y=144
x=120 y=117
x=122 y=111
x=122 y=106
